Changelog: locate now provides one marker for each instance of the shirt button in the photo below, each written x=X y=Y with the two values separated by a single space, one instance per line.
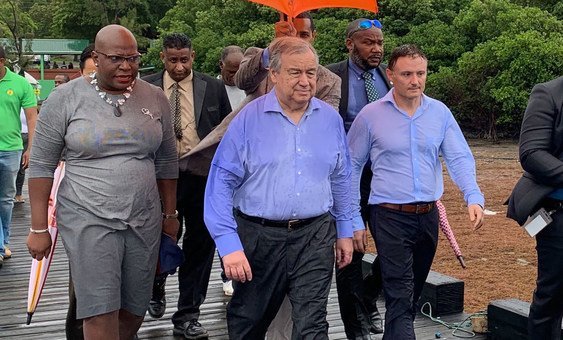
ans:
x=298 y=194
x=294 y=214
x=299 y=172
x=299 y=150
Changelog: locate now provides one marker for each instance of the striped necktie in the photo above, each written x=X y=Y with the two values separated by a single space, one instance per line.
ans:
x=370 y=87
x=176 y=110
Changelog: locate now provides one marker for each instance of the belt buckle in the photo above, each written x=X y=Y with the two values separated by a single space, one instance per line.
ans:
x=420 y=208
x=290 y=223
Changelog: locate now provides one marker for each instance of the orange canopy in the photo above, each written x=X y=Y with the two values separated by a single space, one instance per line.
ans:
x=293 y=7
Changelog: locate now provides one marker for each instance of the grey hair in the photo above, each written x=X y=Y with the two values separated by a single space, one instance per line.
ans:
x=288 y=45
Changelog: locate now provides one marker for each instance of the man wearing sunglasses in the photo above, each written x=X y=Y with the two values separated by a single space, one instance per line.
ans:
x=363 y=81
x=199 y=103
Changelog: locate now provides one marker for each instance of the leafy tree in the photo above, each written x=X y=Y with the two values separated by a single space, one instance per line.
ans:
x=486 y=19
x=491 y=85
x=441 y=43
x=83 y=18
x=43 y=22
x=16 y=24
x=400 y=16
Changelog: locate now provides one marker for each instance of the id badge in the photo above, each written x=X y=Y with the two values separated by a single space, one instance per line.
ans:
x=537 y=222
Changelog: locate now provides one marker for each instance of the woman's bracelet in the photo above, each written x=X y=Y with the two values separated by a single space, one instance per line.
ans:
x=170 y=216
x=40 y=231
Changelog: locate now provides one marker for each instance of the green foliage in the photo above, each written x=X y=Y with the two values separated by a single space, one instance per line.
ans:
x=490 y=87
x=16 y=24
x=330 y=40
x=441 y=43
x=400 y=16
x=484 y=55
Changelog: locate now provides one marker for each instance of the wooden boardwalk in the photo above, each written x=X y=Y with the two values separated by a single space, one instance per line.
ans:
x=48 y=321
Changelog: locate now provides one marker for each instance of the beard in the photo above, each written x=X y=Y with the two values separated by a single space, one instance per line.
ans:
x=361 y=62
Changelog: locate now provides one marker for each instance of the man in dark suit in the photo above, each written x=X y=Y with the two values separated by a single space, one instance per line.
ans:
x=541 y=156
x=199 y=103
x=363 y=81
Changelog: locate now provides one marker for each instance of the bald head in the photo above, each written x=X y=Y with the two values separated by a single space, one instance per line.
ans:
x=112 y=33
x=116 y=57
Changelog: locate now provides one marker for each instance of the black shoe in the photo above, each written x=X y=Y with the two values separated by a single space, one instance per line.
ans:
x=376 y=323
x=190 y=330
x=157 y=304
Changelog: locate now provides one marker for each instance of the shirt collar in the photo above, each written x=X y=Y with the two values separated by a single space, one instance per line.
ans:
x=182 y=84
x=272 y=104
x=424 y=102
x=358 y=71
x=9 y=74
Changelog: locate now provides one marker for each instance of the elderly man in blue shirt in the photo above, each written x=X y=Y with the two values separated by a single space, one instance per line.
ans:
x=403 y=134
x=279 y=180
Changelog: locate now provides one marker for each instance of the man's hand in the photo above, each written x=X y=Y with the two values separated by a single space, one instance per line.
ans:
x=344 y=247
x=39 y=245
x=237 y=267
x=360 y=241
x=284 y=29
x=476 y=215
x=170 y=227
x=25 y=159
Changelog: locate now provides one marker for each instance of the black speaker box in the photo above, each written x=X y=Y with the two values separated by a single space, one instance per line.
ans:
x=444 y=293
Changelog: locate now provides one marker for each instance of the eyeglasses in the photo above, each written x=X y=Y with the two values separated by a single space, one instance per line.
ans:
x=117 y=59
x=366 y=25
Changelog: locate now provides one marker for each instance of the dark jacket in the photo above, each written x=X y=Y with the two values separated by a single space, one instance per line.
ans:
x=341 y=69
x=211 y=103
x=541 y=150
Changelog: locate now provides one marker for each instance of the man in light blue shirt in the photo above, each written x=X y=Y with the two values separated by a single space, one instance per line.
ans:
x=403 y=134
x=283 y=169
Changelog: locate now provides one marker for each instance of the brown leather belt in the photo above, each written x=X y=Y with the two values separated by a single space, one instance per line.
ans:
x=421 y=208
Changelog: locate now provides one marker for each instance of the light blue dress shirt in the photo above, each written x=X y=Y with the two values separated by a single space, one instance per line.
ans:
x=270 y=167
x=404 y=152
x=357 y=97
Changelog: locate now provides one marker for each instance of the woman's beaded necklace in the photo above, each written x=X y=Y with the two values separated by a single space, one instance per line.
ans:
x=104 y=95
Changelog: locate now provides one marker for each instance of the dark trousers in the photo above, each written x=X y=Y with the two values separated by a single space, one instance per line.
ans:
x=298 y=263
x=358 y=299
x=74 y=328
x=20 y=179
x=546 y=311
x=198 y=246
x=406 y=244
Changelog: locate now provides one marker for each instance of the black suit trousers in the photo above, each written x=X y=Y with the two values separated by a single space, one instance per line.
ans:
x=546 y=311
x=358 y=299
x=296 y=262
x=198 y=246
x=406 y=244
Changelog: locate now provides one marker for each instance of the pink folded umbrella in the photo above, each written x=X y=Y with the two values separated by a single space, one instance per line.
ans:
x=447 y=230
x=40 y=269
